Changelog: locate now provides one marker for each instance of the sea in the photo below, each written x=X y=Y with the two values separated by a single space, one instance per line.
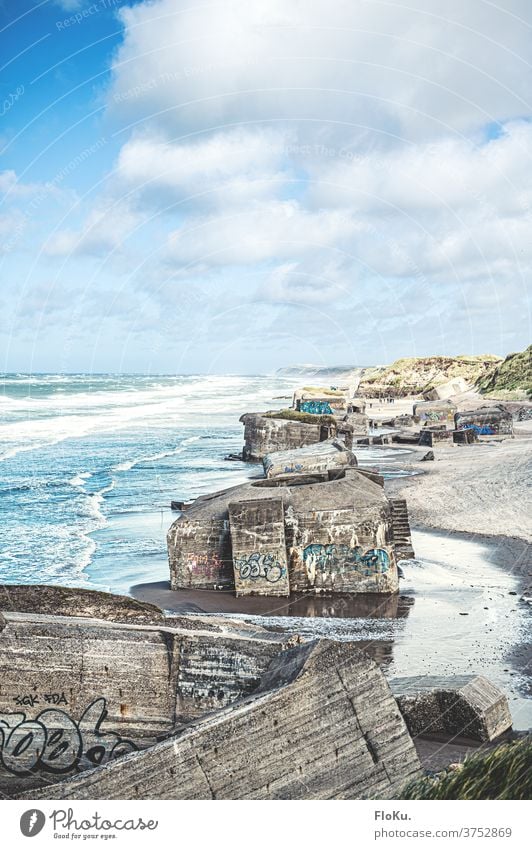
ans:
x=89 y=465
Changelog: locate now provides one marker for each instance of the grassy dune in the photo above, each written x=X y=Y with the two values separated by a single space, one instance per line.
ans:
x=506 y=773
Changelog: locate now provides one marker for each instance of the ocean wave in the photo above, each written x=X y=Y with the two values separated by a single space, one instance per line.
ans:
x=79 y=480
x=127 y=465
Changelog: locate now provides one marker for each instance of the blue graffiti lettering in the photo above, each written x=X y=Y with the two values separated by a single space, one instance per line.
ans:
x=342 y=557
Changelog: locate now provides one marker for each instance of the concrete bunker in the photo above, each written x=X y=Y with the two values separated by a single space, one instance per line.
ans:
x=327 y=400
x=318 y=458
x=260 y=746
x=78 y=691
x=435 y=413
x=303 y=533
x=494 y=420
x=290 y=429
x=462 y=705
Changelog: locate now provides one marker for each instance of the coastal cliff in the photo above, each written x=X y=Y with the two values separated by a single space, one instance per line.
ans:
x=417 y=375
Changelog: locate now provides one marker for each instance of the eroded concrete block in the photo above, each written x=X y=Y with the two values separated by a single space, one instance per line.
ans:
x=322 y=724
x=467 y=706
x=259 y=547
x=319 y=458
x=77 y=692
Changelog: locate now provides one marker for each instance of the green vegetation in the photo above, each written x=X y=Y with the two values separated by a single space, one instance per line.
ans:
x=296 y=416
x=415 y=375
x=511 y=377
x=322 y=390
x=506 y=773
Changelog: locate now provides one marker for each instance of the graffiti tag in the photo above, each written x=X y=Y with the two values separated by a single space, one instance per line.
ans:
x=332 y=557
x=317 y=408
x=54 y=742
x=32 y=699
x=486 y=430
x=260 y=566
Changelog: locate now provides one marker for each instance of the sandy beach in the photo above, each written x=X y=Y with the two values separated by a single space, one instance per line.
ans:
x=479 y=489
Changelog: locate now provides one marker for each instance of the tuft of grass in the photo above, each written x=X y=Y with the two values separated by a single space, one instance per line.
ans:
x=505 y=773
x=322 y=390
x=513 y=375
x=296 y=416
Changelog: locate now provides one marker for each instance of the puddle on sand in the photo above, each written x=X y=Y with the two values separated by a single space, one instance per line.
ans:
x=454 y=615
x=461 y=619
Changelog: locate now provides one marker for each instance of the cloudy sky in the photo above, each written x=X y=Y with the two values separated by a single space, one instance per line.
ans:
x=235 y=186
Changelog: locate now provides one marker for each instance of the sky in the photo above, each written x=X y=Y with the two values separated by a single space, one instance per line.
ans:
x=236 y=186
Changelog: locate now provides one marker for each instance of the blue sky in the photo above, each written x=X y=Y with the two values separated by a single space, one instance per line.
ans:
x=242 y=185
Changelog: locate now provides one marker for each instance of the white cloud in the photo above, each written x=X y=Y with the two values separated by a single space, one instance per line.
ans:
x=258 y=233
x=225 y=168
x=329 y=151
x=452 y=207
x=106 y=229
x=420 y=69
x=298 y=283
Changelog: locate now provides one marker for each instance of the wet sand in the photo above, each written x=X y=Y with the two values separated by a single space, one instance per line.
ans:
x=458 y=611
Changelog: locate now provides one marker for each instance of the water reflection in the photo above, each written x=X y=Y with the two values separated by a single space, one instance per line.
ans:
x=347 y=606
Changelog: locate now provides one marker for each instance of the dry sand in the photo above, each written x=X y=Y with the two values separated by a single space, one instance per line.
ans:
x=480 y=489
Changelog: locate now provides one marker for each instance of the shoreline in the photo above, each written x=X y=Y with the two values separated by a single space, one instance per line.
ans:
x=437 y=493
x=444 y=621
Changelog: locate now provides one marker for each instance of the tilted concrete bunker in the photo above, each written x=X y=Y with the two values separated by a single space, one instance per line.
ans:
x=318 y=458
x=137 y=705
x=286 y=430
x=261 y=748
x=309 y=533
x=108 y=676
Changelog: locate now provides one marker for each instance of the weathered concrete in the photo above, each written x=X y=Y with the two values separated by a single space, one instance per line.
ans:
x=402 y=535
x=331 y=454
x=259 y=547
x=406 y=438
x=76 y=692
x=431 y=437
x=446 y=390
x=464 y=437
x=357 y=421
x=466 y=706
x=70 y=601
x=285 y=430
x=262 y=435
x=486 y=421
x=321 y=725
x=340 y=400
x=338 y=535
x=435 y=412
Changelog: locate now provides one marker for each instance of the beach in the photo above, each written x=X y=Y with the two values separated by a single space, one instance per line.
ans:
x=478 y=489
x=107 y=478
x=462 y=604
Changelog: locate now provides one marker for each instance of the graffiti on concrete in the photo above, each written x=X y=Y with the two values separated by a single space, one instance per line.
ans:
x=32 y=699
x=342 y=558
x=258 y=565
x=435 y=415
x=54 y=742
x=204 y=564
x=318 y=408
x=485 y=430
